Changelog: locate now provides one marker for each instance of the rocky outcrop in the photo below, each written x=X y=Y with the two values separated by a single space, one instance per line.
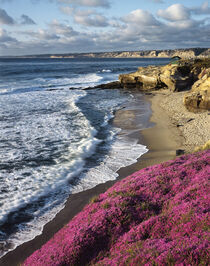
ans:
x=199 y=96
x=203 y=82
x=191 y=75
x=146 y=78
x=176 y=77
x=195 y=101
x=110 y=85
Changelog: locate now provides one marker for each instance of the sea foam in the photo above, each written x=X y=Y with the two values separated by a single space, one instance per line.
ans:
x=48 y=134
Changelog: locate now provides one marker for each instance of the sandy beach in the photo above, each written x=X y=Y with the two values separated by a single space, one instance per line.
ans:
x=194 y=128
x=163 y=138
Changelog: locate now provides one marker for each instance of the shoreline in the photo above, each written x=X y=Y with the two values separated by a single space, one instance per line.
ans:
x=161 y=148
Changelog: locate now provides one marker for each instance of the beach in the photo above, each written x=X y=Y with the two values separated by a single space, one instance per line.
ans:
x=162 y=138
x=194 y=128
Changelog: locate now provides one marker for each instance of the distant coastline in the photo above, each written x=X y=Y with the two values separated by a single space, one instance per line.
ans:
x=184 y=53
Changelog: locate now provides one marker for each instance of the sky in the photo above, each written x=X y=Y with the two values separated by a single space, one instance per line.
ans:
x=77 y=26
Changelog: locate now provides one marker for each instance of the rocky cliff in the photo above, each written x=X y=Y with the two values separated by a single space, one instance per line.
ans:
x=175 y=77
x=183 y=53
x=191 y=75
x=199 y=96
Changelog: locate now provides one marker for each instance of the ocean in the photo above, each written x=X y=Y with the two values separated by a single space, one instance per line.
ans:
x=57 y=138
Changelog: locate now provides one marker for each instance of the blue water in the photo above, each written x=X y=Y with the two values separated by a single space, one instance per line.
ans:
x=56 y=138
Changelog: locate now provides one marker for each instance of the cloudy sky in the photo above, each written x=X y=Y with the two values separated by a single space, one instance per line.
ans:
x=68 y=26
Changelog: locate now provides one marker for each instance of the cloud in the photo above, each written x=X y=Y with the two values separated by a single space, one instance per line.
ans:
x=41 y=35
x=67 y=10
x=5 y=18
x=8 y=20
x=182 y=25
x=62 y=29
x=88 y=18
x=91 y=21
x=137 y=30
x=90 y=3
x=174 y=12
x=204 y=9
x=61 y=38
x=140 y=17
x=178 y=12
x=5 y=38
x=45 y=35
x=25 y=20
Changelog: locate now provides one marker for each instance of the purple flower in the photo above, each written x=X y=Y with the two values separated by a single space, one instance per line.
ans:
x=158 y=215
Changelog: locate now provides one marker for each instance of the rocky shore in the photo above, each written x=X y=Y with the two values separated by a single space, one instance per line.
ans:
x=182 y=90
x=160 y=211
x=193 y=127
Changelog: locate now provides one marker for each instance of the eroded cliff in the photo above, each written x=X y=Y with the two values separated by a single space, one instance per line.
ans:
x=185 y=75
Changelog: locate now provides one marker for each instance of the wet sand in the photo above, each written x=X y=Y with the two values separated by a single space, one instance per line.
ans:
x=163 y=138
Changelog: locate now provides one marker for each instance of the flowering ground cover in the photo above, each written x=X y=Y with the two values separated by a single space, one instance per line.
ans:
x=157 y=216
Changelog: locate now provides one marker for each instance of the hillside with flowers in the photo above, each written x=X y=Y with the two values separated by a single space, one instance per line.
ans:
x=157 y=216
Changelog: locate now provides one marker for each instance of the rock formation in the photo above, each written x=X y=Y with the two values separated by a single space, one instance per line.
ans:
x=144 y=78
x=176 y=77
x=110 y=85
x=183 y=53
x=198 y=98
x=191 y=75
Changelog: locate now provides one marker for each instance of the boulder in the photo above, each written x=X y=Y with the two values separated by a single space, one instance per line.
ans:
x=195 y=101
x=199 y=96
x=177 y=78
x=204 y=81
x=128 y=81
x=110 y=85
x=146 y=78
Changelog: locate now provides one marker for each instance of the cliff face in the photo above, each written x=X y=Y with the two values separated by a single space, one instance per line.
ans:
x=144 y=78
x=175 y=77
x=192 y=75
x=199 y=96
x=183 y=53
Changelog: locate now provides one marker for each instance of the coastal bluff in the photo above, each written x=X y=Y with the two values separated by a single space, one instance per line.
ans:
x=183 y=53
x=186 y=75
x=199 y=96
x=156 y=216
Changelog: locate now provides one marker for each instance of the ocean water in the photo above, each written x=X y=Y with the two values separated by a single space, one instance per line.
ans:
x=57 y=138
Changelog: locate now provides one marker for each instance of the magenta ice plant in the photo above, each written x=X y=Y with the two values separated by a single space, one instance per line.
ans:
x=157 y=216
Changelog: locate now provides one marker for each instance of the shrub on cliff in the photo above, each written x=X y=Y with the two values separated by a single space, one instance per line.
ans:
x=156 y=216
